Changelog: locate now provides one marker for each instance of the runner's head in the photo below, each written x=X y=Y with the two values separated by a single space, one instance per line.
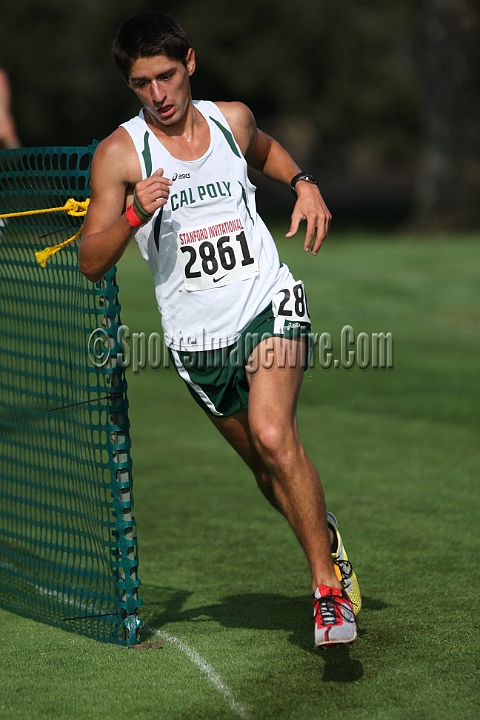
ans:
x=148 y=35
x=153 y=55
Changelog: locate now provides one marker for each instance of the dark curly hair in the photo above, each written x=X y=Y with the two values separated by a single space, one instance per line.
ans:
x=148 y=35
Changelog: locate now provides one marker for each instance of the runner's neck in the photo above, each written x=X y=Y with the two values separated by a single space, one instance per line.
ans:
x=187 y=140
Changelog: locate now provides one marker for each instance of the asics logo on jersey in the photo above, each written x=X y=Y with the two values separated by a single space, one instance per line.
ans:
x=182 y=176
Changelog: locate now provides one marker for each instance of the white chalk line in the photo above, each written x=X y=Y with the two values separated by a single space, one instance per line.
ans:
x=209 y=671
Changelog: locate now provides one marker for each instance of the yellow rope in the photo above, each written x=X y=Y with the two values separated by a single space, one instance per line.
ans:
x=76 y=208
x=43 y=255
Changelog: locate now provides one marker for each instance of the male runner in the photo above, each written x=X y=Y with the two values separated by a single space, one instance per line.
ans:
x=176 y=178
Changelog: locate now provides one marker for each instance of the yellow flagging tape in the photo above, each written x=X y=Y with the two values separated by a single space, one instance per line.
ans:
x=76 y=208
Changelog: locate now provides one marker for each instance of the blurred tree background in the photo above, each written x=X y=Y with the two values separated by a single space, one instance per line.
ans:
x=379 y=100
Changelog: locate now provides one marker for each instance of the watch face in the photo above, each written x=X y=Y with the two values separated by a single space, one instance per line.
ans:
x=302 y=176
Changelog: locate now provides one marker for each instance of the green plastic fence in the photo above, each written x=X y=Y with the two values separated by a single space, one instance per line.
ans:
x=68 y=548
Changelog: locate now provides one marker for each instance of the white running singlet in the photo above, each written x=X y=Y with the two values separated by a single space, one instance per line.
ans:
x=214 y=262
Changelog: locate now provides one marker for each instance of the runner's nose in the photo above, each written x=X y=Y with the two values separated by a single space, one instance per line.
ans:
x=158 y=94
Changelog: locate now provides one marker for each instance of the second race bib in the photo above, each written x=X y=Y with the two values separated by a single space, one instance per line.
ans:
x=290 y=303
x=215 y=255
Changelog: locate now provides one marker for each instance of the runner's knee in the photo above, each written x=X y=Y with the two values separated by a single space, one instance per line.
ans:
x=275 y=443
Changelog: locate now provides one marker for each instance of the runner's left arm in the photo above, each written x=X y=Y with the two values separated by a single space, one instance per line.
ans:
x=264 y=153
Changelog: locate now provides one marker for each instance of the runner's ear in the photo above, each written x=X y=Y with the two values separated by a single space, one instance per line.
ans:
x=191 y=61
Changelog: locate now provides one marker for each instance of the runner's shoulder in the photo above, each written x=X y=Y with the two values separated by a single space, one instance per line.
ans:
x=236 y=112
x=241 y=120
x=116 y=154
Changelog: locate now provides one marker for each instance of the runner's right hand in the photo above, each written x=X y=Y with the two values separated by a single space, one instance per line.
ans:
x=152 y=193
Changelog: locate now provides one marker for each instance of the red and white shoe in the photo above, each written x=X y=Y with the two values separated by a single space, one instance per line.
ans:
x=334 y=617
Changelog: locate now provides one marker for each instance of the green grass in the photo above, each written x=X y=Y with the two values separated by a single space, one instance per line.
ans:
x=398 y=454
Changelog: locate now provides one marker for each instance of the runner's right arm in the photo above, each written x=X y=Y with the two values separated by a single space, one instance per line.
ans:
x=106 y=231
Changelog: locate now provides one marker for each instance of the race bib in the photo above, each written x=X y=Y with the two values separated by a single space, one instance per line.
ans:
x=216 y=255
x=290 y=303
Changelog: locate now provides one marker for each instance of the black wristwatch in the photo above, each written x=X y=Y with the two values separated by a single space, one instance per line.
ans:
x=302 y=176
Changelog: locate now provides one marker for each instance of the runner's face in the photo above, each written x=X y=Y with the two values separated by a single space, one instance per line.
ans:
x=163 y=86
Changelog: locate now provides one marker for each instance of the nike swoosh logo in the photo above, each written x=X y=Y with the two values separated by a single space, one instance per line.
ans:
x=220 y=278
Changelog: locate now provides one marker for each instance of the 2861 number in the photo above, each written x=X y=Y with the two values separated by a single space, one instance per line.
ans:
x=211 y=254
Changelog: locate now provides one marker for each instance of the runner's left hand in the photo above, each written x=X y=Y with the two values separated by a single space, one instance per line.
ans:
x=311 y=207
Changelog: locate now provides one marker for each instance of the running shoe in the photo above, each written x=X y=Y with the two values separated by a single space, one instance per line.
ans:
x=334 y=617
x=343 y=568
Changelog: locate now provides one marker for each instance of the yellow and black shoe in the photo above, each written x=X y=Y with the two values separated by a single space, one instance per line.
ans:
x=343 y=568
